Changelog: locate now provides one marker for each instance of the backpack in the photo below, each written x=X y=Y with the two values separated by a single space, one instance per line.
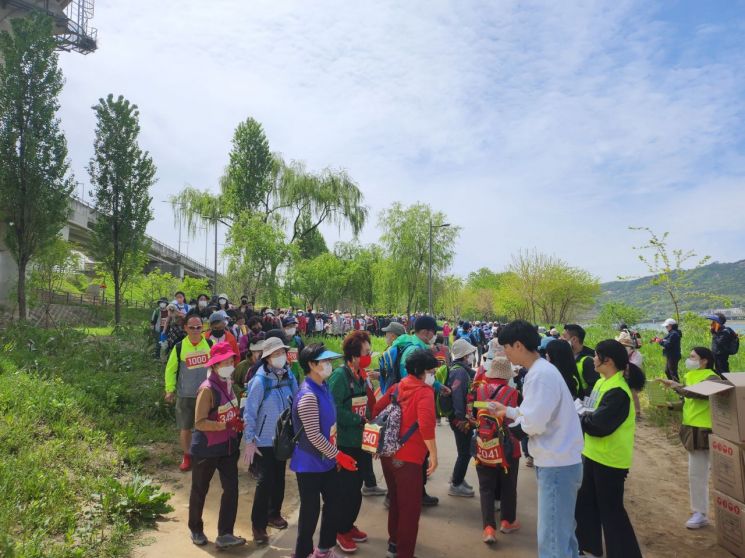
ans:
x=382 y=436
x=491 y=441
x=445 y=402
x=285 y=437
x=390 y=363
x=733 y=346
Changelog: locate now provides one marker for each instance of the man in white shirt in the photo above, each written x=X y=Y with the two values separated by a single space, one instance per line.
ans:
x=547 y=415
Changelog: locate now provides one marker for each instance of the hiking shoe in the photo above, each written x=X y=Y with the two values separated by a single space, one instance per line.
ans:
x=697 y=521
x=260 y=536
x=327 y=554
x=465 y=483
x=506 y=527
x=185 y=463
x=490 y=535
x=391 y=551
x=429 y=501
x=460 y=491
x=346 y=543
x=278 y=522
x=373 y=491
x=198 y=539
x=528 y=461
x=357 y=535
x=229 y=541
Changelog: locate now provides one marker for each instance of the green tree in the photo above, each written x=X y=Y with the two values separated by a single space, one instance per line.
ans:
x=247 y=178
x=406 y=242
x=320 y=280
x=613 y=314
x=121 y=174
x=34 y=181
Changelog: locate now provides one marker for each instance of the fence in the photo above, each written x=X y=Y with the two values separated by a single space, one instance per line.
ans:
x=59 y=297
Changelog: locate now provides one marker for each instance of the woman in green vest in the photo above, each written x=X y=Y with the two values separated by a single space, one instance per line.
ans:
x=695 y=430
x=609 y=426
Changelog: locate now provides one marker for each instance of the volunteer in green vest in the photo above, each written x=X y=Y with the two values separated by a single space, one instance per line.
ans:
x=349 y=389
x=609 y=425
x=185 y=371
x=586 y=374
x=695 y=430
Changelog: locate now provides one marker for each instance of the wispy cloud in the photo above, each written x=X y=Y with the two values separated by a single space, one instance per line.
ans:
x=548 y=124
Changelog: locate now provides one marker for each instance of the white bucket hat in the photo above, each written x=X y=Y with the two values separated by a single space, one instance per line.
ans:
x=462 y=348
x=272 y=345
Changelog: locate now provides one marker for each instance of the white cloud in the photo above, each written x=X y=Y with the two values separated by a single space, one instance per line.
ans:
x=548 y=124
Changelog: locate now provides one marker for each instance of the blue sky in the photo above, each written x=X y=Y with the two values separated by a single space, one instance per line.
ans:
x=548 y=125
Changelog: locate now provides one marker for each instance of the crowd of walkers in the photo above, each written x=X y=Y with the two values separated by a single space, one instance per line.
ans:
x=239 y=378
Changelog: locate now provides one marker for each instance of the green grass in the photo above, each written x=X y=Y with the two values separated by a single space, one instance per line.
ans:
x=76 y=413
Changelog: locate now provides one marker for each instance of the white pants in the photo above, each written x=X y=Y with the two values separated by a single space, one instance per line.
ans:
x=698 y=480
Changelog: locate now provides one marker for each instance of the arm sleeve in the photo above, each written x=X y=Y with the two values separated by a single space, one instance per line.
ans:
x=344 y=415
x=171 y=370
x=610 y=414
x=539 y=407
x=205 y=401
x=307 y=410
x=254 y=397
x=683 y=392
x=425 y=416
x=459 y=385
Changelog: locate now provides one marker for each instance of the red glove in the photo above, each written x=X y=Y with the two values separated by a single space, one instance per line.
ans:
x=344 y=461
x=236 y=424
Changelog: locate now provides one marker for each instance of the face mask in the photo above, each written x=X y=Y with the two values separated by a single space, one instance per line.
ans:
x=162 y=305
x=693 y=364
x=327 y=369
x=226 y=371
x=202 y=304
x=222 y=302
x=278 y=361
x=433 y=339
x=429 y=379
x=218 y=333
x=291 y=331
x=365 y=361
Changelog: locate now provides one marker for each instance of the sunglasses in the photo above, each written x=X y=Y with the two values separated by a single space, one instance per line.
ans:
x=194 y=328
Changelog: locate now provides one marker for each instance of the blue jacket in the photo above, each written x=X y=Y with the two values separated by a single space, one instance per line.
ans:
x=671 y=344
x=266 y=398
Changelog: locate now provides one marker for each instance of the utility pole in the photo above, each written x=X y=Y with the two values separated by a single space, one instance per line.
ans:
x=215 y=283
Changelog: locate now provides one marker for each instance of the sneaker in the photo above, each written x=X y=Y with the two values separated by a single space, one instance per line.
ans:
x=185 y=463
x=373 y=491
x=278 y=522
x=528 y=461
x=429 y=501
x=460 y=491
x=697 y=521
x=391 y=551
x=357 y=535
x=260 y=536
x=490 y=535
x=229 y=541
x=506 y=527
x=346 y=543
x=198 y=539
x=468 y=486
x=327 y=554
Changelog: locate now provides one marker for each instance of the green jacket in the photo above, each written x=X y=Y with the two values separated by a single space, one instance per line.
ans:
x=415 y=343
x=349 y=395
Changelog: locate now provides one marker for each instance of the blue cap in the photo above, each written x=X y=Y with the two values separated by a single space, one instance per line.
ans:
x=327 y=355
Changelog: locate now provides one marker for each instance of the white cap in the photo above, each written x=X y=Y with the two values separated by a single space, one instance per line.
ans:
x=669 y=322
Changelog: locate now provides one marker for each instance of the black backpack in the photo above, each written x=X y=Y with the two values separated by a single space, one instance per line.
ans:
x=733 y=346
x=285 y=437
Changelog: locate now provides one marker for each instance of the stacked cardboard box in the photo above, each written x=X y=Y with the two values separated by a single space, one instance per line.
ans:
x=727 y=447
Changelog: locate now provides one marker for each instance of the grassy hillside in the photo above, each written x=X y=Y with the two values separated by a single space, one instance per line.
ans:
x=722 y=279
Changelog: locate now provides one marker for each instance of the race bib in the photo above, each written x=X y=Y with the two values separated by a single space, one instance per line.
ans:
x=359 y=406
x=371 y=438
x=332 y=435
x=226 y=413
x=488 y=452
x=196 y=360
x=292 y=356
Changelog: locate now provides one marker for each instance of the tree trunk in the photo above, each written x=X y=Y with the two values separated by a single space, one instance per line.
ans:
x=22 y=310
x=117 y=302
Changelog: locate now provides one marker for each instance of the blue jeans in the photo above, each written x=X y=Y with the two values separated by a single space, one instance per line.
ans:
x=557 y=498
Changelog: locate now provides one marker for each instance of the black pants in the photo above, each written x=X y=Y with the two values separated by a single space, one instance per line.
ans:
x=463 y=445
x=600 y=513
x=671 y=368
x=202 y=471
x=496 y=484
x=313 y=486
x=721 y=363
x=270 y=488
x=365 y=465
x=350 y=485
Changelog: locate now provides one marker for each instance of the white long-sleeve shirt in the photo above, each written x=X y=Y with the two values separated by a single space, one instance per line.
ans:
x=548 y=416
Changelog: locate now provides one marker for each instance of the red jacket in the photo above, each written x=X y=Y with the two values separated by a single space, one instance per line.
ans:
x=417 y=402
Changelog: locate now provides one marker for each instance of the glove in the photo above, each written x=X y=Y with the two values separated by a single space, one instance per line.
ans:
x=236 y=424
x=344 y=461
x=250 y=452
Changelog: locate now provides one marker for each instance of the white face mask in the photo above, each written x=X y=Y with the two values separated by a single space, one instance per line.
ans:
x=326 y=369
x=226 y=372
x=429 y=379
x=290 y=331
x=202 y=304
x=693 y=364
x=278 y=361
x=433 y=339
x=222 y=302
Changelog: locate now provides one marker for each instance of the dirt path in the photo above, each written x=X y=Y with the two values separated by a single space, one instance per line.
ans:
x=656 y=497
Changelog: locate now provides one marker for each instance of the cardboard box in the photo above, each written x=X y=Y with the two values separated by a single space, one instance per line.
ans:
x=727 y=400
x=730 y=519
x=728 y=467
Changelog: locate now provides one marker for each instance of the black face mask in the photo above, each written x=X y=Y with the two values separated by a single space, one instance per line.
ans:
x=218 y=333
x=256 y=329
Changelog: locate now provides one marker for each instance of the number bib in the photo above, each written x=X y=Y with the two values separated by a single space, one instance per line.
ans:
x=371 y=438
x=359 y=406
x=292 y=356
x=488 y=452
x=196 y=359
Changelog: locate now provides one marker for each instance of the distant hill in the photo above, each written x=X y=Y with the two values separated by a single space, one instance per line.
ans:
x=724 y=279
